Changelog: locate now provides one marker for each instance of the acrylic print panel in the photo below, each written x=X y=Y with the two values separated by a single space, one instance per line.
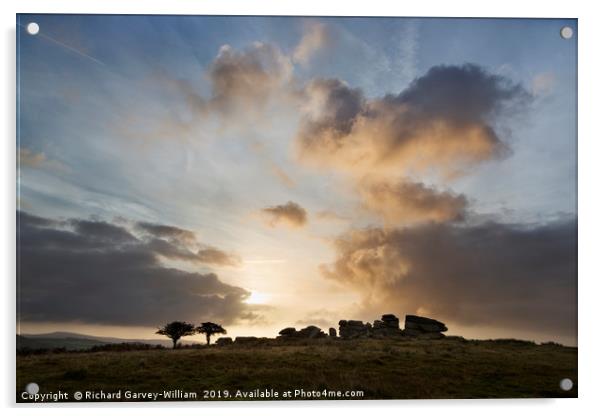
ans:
x=295 y=208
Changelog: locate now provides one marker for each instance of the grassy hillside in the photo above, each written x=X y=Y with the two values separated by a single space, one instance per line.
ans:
x=382 y=369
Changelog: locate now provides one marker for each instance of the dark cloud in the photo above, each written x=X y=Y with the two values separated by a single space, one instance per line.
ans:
x=102 y=232
x=462 y=94
x=412 y=202
x=291 y=214
x=212 y=255
x=176 y=243
x=501 y=276
x=167 y=231
x=330 y=113
x=444 y=121
x=97 y=272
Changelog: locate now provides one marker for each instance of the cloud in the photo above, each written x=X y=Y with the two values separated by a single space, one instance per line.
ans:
x=29 y=158
x=180 y=244
x=101 y=273
x=101 y=232
x=245 y=80
x=212 y=255
x=291 y=214
x=412 y=202
x=315 y=38
x=168 y=232
x=242 y=85
x=328 y=215
x=443 y=122
x=323 y=318
x=543 y=84
x=498 y=275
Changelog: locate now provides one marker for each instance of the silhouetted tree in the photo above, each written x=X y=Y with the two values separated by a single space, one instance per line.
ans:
x=209 y=328
x=176 y=330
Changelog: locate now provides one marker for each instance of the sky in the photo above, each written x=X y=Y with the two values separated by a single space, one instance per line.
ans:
x=266 y=172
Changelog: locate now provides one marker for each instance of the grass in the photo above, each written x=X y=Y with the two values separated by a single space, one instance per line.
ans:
x=382 y=369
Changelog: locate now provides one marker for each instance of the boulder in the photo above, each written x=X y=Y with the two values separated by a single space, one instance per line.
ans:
x=390 y=321
x=311 y=332
x=379 y=325
x=354 y=329
x=224 y=341
x=308 y=332
x=245 y=340
x=288 y=332
x=423 y=324
x=387 y=326
x=423 y=328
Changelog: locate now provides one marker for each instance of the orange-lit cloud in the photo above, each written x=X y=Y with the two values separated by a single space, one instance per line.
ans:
x=291 y=214
x=411 y=202
x=443 y=123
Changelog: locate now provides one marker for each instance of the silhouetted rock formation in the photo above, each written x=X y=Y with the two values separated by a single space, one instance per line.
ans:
x=224 y=341
x=419 y=326
x=245 y=340
x=288 y=332
x=354 y=329
x=390 y=320
x=308 y=332
x=311 y=332
x=387 y=326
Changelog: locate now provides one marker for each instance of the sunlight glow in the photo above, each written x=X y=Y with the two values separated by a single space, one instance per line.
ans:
x=257 y=298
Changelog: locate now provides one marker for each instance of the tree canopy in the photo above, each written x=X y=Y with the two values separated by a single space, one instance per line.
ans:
x=209 y=329
x=176 y=330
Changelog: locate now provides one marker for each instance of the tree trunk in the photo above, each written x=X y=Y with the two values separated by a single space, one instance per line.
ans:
x=175 y=343
x=208 y=338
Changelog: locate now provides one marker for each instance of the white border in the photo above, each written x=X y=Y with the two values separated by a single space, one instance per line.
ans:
x=590 y=201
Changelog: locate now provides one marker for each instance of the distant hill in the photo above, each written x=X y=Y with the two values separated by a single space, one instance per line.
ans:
x=74 y=341
x=69 y=343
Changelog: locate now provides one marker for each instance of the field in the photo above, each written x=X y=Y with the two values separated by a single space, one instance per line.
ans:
x=380 y=369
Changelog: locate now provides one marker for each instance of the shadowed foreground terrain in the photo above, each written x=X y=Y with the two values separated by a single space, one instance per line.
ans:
x=382 y=369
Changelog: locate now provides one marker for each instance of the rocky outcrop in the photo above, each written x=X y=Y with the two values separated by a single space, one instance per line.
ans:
x=245 y=340
x=387 y=326
x=311 y=332
x=307 y=332
x=288 y=332
x=224 y=341
x=419 y=326
x=354 y=329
